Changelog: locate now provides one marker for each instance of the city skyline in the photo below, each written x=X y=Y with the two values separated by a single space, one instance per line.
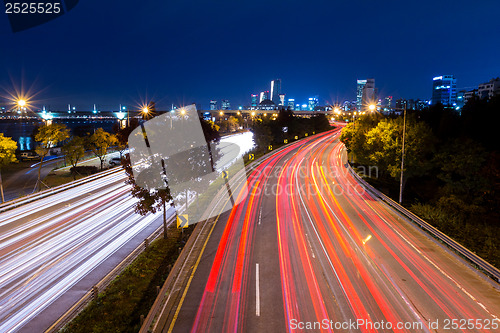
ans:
x=366 y=93
x=136 y=58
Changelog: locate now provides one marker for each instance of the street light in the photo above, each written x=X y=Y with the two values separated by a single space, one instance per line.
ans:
x=372 y=107
x=402 y=157
x=21 y=103
x=145 y=112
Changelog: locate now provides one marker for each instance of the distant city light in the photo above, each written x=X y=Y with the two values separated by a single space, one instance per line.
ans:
x=47 y=116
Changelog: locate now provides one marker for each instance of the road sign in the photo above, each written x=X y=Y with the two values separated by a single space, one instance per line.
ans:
x=270 y=147
x=225 y=174
x=251 y=157
x=182 y=221
x=286 y=141
x=296 y=137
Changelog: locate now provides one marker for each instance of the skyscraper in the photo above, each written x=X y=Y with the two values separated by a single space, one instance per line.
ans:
x=255 y=101
x=213 y=105
x=225 y=104
x=313 y=103
x=264 y=95
x=291 y=104
x=275 y=91
x=369 y=94
x=282 y=100
x=359 y=94
x=444 y=90
x=365 y=94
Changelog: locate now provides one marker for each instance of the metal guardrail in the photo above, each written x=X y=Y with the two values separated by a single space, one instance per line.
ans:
x=477 y=262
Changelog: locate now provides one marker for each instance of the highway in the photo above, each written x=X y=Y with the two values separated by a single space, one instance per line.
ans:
x=54 y=249
x=310 y=250
x=61 y=243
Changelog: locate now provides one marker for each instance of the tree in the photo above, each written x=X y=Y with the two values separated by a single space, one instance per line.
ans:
x=154 y=196
x=7 y=155
x=384 y=147
x=100 y=142
x=150 y=200
x=229 y=125
x=48 y=136
x=461 y=163
x=74 y=150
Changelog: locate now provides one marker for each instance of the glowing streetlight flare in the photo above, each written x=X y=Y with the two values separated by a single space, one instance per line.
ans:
x=372 y=107
x=21 y=102
x=145 y=109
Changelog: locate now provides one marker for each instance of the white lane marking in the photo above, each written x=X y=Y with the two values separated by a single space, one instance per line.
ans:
x=257 y=291
x=260 y=216
x=310 y=246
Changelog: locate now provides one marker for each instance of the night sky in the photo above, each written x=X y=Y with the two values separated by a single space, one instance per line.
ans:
x=179 y=51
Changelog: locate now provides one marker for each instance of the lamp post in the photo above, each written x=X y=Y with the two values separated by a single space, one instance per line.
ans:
x=372 y=108
x=145 y=111
x=402 y=156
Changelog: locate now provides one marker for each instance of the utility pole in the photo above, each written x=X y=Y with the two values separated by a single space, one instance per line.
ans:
x=402 y=157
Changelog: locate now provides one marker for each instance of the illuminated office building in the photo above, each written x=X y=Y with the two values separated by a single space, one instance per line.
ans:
x=313 y=103
x=275 y=91
x=263 y=96
x=225 y=104
x=282 y=100
x=255 y=101
x=444 y=90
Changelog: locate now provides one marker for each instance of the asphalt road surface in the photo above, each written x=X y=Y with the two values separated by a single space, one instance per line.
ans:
x=310 y=250
x=23 y=181
x=54 y=249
